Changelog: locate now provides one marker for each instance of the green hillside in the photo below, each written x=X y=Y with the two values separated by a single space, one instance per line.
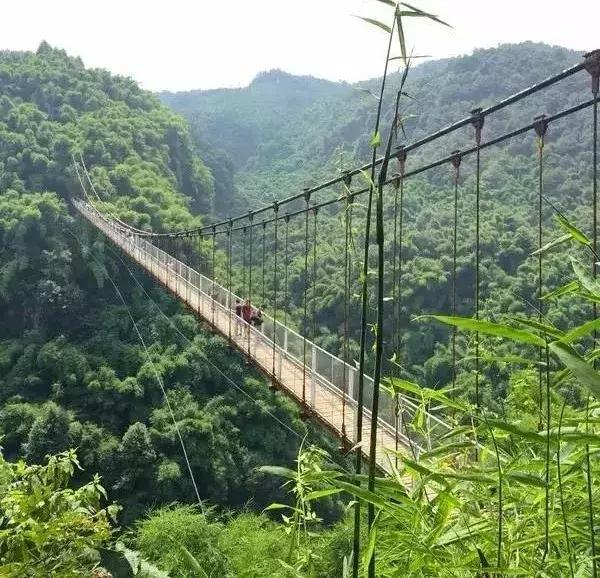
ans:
x=334 y=130
x=279 y=143
x=74 y=374
x=72 y=370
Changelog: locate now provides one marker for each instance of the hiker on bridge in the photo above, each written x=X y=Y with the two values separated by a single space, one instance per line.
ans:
x=247 y=314
x=257 y=318
x=239 y=319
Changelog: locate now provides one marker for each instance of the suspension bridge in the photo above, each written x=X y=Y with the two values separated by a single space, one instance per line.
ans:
x=330 y=387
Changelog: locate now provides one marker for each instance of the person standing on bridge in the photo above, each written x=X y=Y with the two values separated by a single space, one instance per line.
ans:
x=257 y=319
x=247 y=314
x=238 y=321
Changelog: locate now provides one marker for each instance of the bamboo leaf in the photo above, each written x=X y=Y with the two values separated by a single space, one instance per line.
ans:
x=192 y=563
x=371 y=545
x=469 y=477
x=572 y=231
x=412 y=56
x=363 y=494
x=525 y=478
x=489 y=328
x=376 y=140
x=375 y=23
x=558 y=241
x=397 y=385
x=578 y=366
x=581 y=331
x=585 y=279
x=424 y=14
x=516 y=430
x=447 y=449
x=401 y=38
x=321 y=494
x=277 y=506
x=503 y=359
x=543 y=327
x=570 y=287
x=278 y=471
x=366 y=91
x=462 y=533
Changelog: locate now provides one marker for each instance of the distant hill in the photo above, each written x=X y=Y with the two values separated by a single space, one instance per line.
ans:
x=282 y=133
x=284 y=130
x=241 y=120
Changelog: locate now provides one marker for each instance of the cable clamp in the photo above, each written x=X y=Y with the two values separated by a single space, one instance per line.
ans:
x=347 y=178
x=592 y=65
x=455 y=159
x=401 y=158
x=477 y=120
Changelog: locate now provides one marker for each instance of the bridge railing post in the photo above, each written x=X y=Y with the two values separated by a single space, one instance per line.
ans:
x=188 y=284
x=313 y=374
x=285 y=347
x=351 y=373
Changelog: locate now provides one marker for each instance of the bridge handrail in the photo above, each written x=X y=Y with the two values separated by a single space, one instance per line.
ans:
x=387 y=415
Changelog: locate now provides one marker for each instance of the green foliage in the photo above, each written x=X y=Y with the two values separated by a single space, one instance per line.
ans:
x=46 y=528
x=72 y=371
x=253 y=546
x=161 y=537
x=514 y=493
x=331 y=128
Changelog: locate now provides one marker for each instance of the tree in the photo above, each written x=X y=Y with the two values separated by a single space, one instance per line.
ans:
x=49 y=434
x=49 y=529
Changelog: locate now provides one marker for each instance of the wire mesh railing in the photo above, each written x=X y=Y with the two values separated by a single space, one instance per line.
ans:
x=304 y=369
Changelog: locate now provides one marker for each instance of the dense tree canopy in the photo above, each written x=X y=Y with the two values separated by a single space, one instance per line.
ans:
x=72 y=371
x=332 y=131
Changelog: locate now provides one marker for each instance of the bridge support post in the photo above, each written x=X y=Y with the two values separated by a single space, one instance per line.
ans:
x=188 y=283
x=313 y=371
x=354 y=405
x=285 y=348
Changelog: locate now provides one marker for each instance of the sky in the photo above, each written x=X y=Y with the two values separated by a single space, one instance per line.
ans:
x=191 y=44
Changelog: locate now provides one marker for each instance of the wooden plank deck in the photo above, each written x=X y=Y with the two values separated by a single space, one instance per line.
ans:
x=316 y=395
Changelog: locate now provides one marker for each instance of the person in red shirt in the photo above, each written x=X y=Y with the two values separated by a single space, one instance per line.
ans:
x=247 y=314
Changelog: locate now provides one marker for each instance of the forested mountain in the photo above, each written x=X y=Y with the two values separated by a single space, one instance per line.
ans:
x=73 y=373
x=72 y=370
x=279 y=142
x=334 y=131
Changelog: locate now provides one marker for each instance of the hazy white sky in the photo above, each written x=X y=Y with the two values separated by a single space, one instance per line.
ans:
x=185 y=44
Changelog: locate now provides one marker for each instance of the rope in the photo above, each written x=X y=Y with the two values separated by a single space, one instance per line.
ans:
x=264 y=226
x=285 y=281
x=250 y=218
x=346 y=303
x=540 y=132
x=213 y=273
x=314 y=289
x=397 y=288
x=477 y=121
x=422 y=169
x=305 y=316
x=275 y=287
x=414 y=145
x=229 y=304
x=456 y=160
x=244 y=264
x=157 y=375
